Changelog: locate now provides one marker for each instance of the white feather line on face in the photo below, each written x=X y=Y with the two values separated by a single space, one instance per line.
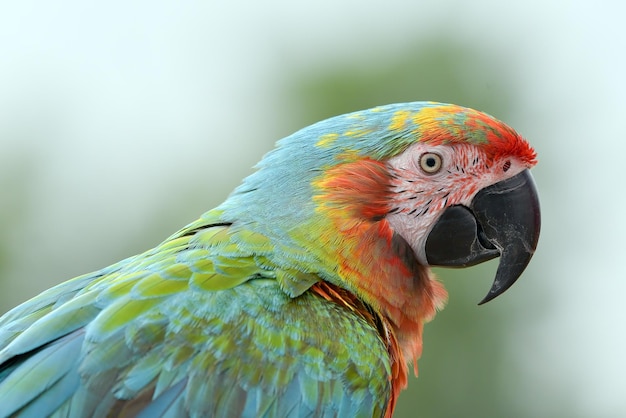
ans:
x=420 y=198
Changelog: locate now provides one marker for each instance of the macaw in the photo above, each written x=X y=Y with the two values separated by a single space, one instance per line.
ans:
x=304 y=294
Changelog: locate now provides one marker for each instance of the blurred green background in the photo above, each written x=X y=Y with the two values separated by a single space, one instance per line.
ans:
x=122 y=121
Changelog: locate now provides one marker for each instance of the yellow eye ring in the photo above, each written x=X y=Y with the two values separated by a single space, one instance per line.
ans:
x=430 y=162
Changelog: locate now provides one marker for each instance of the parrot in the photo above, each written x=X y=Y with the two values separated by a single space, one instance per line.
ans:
x=304 y=294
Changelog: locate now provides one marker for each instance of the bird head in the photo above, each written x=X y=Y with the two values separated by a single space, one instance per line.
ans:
x=369 y=201
x=468 y=180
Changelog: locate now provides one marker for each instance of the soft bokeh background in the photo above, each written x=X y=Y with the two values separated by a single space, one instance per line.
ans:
x=122 y=121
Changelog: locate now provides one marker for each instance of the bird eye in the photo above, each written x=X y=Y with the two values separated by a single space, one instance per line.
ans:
x=430 y=162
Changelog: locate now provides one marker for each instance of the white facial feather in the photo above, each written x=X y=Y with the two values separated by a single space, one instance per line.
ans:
x=421 y=197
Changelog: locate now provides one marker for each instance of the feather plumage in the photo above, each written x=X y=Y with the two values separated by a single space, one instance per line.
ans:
x=295 y=297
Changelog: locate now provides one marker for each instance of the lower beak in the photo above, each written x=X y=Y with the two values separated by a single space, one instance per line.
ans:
x=503 y=220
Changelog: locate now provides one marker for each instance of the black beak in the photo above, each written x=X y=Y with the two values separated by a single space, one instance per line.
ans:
x=502 y=220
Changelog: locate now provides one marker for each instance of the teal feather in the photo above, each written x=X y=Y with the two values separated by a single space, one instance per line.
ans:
x=39 y=373
x=212 y=343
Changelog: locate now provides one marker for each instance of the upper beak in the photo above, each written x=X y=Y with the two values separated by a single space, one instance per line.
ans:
x=502 y=220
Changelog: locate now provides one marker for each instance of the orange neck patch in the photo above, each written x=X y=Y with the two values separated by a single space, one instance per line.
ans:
x=377 y=267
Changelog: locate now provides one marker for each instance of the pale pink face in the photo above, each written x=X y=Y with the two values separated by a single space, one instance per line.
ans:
x=429 y=178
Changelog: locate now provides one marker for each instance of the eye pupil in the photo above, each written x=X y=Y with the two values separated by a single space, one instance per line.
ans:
x=431 y=162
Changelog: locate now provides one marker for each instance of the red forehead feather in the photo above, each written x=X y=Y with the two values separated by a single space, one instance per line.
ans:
x=451 y=123
x=502 y=140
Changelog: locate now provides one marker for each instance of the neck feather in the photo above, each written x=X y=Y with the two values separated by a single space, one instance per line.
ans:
x=372 y=262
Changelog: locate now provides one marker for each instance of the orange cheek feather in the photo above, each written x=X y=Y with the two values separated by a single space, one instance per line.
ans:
x=354 y=197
